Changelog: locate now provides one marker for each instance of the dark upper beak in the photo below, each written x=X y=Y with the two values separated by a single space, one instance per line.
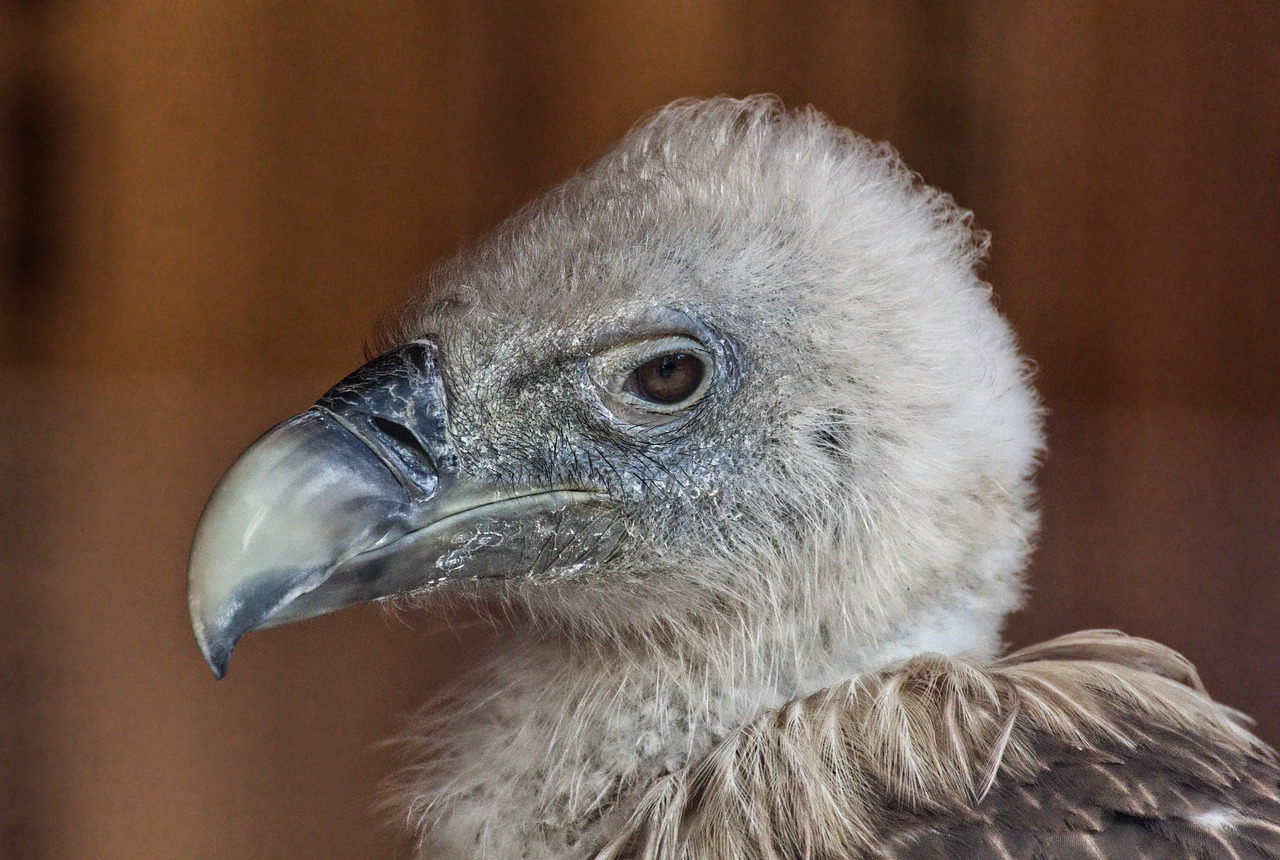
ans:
x=359 y=498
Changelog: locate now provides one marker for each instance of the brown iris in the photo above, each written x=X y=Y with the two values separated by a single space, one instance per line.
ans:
x=668 y=378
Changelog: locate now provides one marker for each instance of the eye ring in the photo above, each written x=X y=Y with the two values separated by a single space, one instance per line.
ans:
x=668 y=379
x=653 y=382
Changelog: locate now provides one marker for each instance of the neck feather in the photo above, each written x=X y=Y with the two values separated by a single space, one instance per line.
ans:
x=542 y=750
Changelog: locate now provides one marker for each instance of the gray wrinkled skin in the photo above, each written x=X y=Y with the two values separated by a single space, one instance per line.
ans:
x=546 y=426
x=403 y=386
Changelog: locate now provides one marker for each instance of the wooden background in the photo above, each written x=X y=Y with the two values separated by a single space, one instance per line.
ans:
x=205 y=206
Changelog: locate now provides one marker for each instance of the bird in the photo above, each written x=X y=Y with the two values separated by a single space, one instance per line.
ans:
x=726 y=437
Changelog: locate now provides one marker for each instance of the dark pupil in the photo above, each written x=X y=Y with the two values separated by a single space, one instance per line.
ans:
x=669 y=378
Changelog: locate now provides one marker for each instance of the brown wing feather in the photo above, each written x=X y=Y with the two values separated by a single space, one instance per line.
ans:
x=1172 y=795
x=1090 y=745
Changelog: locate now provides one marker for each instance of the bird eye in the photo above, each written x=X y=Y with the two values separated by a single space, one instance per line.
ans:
x=668 y=379
x=650 y=383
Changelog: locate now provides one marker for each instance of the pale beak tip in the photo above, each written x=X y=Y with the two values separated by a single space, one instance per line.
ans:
x=216 y=650
x=218 y=664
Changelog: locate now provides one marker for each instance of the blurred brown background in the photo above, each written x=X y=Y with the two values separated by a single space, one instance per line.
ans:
x=204 y=207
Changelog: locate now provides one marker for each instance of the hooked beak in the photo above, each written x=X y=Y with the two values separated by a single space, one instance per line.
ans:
x=361 y=498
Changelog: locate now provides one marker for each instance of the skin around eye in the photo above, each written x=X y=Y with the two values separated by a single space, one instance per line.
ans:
x=653 y=382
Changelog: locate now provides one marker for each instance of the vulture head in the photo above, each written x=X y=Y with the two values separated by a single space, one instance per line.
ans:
x=737 y=377
x=727 y=415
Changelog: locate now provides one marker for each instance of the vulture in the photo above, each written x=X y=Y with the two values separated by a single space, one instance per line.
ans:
x=726 y=436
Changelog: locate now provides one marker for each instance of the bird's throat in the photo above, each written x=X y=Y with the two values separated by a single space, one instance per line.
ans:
x=542 y=751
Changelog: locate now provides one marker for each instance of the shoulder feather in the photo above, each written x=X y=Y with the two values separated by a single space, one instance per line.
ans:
x=1093 y=744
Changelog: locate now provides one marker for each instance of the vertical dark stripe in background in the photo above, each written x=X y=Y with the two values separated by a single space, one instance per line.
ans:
x=28 y=248
x=29 y=222
x=29 y=139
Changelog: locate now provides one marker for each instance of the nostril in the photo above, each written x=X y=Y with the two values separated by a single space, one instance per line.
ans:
x=402 y=436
